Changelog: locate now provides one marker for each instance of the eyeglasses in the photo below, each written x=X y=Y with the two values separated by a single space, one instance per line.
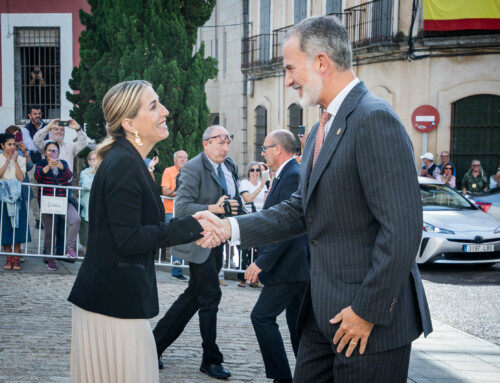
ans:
x=264 y=147
x=223 y=138
x=448 y=168
x=254 y=170
x=476 y=165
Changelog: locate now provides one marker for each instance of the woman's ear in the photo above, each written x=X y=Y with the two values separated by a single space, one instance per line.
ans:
x=128 y=125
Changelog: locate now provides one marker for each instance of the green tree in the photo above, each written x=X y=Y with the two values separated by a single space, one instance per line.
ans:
x=151 y=40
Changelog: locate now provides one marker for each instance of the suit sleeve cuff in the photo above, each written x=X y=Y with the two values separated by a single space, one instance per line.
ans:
x=235 y=232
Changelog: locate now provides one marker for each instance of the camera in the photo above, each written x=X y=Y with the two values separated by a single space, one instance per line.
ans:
x=37 y=72
x=63 y=123
x=227 y=207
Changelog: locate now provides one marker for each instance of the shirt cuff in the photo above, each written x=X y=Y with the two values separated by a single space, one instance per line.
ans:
x=235 y=232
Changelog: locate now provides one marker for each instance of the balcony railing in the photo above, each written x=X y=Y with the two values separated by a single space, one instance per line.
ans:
x=366 y=24
x=255 y=51
x=369 y=23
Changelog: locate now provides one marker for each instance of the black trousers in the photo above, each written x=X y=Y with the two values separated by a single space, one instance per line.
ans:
x=318 y=362
x=203 y=294
x=273 y=300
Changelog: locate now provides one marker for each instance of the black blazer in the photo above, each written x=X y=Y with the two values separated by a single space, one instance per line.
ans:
x=126 y=228
x=286 y=261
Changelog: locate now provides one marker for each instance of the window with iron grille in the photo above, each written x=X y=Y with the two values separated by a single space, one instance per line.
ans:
x=300 y=10
x=260 y=130
x=294 y=121
x=475 y=133
x=37 y=72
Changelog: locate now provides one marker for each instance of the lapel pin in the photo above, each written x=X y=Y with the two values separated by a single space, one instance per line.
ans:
x=338 y=132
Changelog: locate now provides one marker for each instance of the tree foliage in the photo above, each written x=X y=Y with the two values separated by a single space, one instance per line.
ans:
x=151 y=40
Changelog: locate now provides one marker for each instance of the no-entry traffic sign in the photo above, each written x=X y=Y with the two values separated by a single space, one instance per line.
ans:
x=425 y=118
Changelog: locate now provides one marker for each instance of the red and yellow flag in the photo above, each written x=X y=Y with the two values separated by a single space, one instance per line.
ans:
x=454 y=15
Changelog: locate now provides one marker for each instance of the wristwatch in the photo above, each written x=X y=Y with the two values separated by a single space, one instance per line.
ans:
x=78 y=129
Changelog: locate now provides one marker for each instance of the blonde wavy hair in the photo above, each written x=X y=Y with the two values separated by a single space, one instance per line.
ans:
x=119 y=103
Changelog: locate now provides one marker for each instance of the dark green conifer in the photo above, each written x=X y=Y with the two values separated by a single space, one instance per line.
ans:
x=151 y=40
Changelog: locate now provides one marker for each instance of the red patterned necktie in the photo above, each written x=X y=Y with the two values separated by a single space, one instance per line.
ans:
x=320 y=135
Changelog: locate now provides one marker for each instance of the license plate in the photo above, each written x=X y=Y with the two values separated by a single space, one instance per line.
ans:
x=478 y=248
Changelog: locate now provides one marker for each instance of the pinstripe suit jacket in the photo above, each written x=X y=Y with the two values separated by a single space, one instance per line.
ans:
x=360 y=206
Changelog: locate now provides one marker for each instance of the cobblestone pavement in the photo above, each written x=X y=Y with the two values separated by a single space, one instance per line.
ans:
x=35 y=331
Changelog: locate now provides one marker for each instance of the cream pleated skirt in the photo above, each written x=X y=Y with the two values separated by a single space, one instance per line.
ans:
x=112 y=350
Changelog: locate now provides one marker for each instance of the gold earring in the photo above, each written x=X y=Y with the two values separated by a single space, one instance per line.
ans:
x=137 y=138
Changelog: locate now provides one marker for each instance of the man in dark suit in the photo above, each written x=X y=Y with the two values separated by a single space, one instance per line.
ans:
x=359 y=203
x=205 y=183
x=282 y=267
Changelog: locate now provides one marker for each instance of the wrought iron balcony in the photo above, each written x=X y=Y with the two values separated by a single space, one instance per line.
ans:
x=369 y=23
x=255 y=51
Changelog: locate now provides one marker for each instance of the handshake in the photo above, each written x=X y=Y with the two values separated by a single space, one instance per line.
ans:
x=215 y=230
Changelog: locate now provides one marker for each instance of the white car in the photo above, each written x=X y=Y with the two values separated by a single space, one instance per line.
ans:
x=455 y=229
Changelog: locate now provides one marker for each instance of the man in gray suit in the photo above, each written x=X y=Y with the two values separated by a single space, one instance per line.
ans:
x=205 y=182
x=359 y=203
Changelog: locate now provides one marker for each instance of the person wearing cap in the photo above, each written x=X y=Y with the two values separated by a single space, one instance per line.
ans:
x=429 y=169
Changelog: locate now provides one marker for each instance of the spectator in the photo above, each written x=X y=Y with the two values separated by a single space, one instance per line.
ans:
x=445 y=158
x=168 y=188
x=56 y=132
x=37 y=90
x=475 y=180
x=446 y=176
x=85 y=182
x=151 y=163
x=29 y=130
x=495 y=178
x=14 y=215
x=23 y=152
x=67 y=152
x=55 y=171
x=253 y=191
x=429 y=170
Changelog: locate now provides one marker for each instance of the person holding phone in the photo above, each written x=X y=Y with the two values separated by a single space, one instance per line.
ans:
x=54 y=171
x=14 y=229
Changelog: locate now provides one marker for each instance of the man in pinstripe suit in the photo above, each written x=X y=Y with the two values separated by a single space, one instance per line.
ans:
x=359 y=203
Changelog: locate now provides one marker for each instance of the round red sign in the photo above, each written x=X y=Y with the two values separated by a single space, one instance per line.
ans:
x=425 y=118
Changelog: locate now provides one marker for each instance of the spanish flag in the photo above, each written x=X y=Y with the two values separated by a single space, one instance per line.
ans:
x=455 y=15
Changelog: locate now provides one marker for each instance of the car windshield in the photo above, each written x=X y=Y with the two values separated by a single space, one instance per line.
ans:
x=442 y=197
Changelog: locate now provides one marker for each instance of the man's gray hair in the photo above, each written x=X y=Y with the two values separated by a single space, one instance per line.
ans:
x=177 y=152
x=285 y=139
x=208 y=131
x=324 y=34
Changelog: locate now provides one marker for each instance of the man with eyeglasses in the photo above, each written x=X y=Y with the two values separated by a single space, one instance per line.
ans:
x=445 y=159
x=209 y=181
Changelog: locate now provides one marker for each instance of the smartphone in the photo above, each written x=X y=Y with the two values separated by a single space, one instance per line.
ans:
x=54 y=155
x=63 y=123
x=302 y=130
x=18 y=136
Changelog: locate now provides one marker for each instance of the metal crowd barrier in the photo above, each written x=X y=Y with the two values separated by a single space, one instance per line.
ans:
x=232 y=255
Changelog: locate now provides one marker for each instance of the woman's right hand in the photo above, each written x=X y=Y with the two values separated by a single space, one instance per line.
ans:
x=54 y=163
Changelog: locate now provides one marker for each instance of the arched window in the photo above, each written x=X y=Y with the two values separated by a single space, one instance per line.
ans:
x=294 y=121
x=260 y=118
x=475 y=133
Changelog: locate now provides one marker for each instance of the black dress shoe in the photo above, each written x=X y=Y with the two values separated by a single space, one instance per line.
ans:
x=160 y=363
x=215 y=371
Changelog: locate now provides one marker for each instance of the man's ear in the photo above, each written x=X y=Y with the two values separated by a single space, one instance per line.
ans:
x=323 y=61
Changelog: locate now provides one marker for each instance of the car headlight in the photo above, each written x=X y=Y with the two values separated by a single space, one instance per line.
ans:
x=434 y=229
x=497 y=230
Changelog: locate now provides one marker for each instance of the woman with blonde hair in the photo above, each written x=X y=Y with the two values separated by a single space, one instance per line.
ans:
x=115 y=292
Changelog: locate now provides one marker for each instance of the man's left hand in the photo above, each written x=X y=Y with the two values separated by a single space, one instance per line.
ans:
x=252 y=273
x=353 y=330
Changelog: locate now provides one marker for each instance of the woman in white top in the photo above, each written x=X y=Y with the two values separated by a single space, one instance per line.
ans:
x=495 y=178
x=12 y=167
x=253 y=191
x=446 y=176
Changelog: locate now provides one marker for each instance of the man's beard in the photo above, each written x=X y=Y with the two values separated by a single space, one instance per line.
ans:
x=311 y=90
